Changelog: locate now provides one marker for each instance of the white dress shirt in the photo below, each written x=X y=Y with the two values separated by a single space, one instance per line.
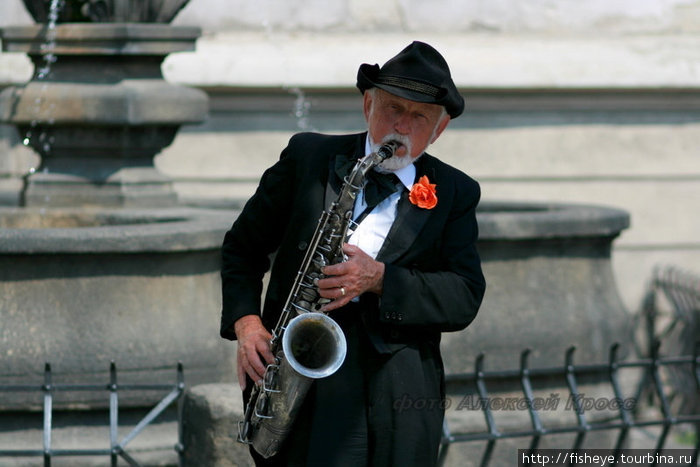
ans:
x=369 y=235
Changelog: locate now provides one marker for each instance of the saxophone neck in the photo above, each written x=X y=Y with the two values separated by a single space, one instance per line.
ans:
x=370 y=161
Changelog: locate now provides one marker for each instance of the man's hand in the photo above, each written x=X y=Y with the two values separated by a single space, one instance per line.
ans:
x=253 y=342
x=346 y=280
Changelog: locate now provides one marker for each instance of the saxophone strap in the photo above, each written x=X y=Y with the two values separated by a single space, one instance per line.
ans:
x=376 y=194
x=379 y=185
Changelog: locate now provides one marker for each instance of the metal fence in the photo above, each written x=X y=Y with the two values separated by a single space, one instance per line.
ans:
x=117 y=448
x=670 y=316
x=625 y=419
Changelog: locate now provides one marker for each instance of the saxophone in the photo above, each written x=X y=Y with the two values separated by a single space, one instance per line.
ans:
x=306 y=342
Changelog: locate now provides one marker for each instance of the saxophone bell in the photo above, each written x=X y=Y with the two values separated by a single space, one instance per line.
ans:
x=314 y=347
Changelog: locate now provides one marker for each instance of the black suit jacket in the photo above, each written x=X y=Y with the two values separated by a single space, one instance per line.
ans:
x=433 y=281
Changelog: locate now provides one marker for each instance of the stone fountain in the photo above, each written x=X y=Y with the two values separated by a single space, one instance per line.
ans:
x=100 y=263
x=97 y=109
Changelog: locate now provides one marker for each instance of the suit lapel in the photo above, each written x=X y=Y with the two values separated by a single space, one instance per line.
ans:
x=409 y=222
x=335 y=183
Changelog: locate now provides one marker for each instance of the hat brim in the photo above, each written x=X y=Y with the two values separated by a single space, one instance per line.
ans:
x=367 y=78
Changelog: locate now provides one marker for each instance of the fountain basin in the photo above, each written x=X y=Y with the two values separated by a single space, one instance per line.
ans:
x=82 y=287
x=550 y=285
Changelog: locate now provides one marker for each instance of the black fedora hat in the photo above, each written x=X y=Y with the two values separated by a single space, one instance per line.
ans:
x=418 y=73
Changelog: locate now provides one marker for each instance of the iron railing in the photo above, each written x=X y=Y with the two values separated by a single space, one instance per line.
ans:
x=671 y=314
x=117 y=448
x=625 y=417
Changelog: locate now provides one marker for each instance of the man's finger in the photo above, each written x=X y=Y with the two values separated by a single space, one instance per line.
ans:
x=266 y=353
x=336 y=269
x=349 y=249
x=337 y=303
x=256 y=364
x=254 y=372
x=241 y=376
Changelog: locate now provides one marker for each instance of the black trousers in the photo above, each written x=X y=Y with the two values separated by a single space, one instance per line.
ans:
x=336 y=409
x=339 y=426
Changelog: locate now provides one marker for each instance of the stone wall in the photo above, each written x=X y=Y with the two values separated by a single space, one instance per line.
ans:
x=594 y=102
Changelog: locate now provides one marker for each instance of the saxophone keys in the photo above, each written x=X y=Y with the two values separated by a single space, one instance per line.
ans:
x=262 y=406
x=270 y=380
x=244 y=432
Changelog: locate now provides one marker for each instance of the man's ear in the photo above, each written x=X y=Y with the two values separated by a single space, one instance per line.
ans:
x=367 y=104
x=440 y=128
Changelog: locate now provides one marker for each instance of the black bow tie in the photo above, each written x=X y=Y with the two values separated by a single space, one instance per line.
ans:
x=379 y=185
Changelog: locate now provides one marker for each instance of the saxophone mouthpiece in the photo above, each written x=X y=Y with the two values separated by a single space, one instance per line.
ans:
x=388 y=149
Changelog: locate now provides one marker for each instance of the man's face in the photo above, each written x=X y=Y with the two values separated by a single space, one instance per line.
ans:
x=416 y=123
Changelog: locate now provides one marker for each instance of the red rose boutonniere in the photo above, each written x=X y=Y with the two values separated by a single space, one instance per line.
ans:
x=423 y=194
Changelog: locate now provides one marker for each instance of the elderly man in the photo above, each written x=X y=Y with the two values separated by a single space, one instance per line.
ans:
x=412 y=272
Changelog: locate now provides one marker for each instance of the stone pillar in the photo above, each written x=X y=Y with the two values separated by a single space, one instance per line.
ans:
x=210 y=427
